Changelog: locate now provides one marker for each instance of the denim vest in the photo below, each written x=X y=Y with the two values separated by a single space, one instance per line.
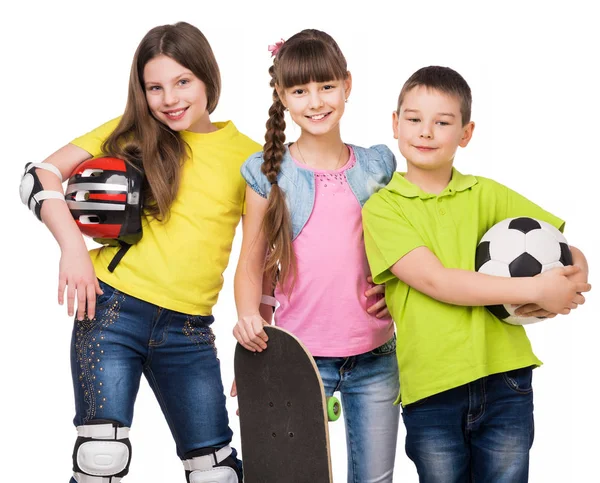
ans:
x=373 y=170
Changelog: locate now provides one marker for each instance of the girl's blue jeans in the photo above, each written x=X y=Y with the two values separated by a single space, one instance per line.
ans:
x=477 y=433
x=175 y=352
x=369 y=385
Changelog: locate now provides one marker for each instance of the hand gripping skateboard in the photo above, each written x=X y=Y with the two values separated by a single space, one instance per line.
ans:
x=283 y=413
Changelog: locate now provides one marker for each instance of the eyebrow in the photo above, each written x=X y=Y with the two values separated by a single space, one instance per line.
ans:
x=439 y=113
x=175 y=79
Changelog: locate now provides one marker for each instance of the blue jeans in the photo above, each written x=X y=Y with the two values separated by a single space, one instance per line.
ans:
x=175 y=352
x=369 y=385
x=477 y=433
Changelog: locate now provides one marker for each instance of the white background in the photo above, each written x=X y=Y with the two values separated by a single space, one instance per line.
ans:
x=532 y=67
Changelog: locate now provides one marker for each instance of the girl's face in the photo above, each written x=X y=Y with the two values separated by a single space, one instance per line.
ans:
x=317 y=107
x=176 y=97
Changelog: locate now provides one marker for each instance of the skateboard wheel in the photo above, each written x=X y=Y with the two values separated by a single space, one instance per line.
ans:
x=334 y=408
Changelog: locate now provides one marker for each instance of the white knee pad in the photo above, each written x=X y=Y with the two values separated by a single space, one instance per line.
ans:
x=102 y=452
x=203 y=469
x=218 y=474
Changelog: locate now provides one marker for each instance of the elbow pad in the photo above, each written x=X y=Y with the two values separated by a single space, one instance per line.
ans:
x=31 y=189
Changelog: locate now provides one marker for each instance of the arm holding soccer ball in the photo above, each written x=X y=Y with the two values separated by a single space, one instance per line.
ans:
x=579 y=260
x=553 y=291
x=76 y=272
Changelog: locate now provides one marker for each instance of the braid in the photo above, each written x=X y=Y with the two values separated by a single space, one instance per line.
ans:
x=275 y=136
x=277 y=224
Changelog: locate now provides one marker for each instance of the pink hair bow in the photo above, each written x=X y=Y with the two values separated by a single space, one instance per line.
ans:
x=274 y=48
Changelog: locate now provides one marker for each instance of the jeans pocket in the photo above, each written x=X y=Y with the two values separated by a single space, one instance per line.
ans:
x=387 y=348
x=200 y=321
x=519 y=380
x=198 y=329
x=108 y=294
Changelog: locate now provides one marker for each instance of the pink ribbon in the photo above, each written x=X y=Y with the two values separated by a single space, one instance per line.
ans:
x=274 y=48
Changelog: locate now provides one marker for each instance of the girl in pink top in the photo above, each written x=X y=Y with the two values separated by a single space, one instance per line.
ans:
x=303 y=229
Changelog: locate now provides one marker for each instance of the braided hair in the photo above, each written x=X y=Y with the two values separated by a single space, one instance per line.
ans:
x=308 y=56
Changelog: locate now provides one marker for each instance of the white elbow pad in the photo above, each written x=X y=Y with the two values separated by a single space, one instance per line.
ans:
x=31 y=190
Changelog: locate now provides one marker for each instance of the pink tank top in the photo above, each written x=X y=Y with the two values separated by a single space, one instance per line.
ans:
x=327 y=308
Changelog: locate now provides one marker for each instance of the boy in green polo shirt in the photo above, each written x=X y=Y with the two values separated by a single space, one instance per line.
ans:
x=465 y=376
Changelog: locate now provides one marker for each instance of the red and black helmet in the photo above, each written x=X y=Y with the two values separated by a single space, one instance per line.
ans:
x=104 y=196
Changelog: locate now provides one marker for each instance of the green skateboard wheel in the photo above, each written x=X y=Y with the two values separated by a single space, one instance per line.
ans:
x=334 y=408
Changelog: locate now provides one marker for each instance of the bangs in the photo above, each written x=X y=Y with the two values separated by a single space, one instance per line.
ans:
x=311 y=61
x=444 y=80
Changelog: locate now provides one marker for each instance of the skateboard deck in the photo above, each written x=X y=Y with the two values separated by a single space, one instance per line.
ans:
x=283 y=413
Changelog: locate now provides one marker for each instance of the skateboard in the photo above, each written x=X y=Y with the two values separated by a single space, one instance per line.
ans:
x=283 y=413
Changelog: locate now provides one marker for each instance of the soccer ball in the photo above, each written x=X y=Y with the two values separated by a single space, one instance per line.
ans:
x=520 y=247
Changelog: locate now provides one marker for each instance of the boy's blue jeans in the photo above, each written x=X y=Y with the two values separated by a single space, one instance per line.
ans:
x=369 y=385
x=477 y=433
x=174 y=351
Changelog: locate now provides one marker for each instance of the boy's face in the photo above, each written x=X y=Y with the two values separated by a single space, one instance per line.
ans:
x=429 y=128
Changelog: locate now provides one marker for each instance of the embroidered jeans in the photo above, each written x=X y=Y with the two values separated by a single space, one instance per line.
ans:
x=174 y=351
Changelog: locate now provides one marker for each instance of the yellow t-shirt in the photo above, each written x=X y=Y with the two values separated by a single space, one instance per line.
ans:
x=441 y=346
x=179 y=264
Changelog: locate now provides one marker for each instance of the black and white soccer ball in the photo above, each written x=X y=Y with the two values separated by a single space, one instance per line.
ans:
x=520 y=247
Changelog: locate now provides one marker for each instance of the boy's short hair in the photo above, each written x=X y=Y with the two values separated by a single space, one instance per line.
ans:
x=444 y=80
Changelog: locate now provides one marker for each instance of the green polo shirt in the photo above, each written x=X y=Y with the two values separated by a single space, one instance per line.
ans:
x=442 y=346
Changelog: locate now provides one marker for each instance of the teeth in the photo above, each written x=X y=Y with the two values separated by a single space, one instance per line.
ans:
x=175 y=113
x=318 y=117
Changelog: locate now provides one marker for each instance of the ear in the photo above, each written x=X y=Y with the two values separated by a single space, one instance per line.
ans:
x=467 y=134
x=395 y=124
x=348 y=85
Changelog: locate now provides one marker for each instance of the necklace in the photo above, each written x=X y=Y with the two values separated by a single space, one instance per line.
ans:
x=338 y=161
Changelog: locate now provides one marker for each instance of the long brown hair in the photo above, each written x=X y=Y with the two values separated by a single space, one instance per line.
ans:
x=140 y=138
x=308 y=56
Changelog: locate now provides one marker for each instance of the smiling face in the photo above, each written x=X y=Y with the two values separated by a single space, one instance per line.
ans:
x=176 y=97
x=317 y=107
x=429 y=129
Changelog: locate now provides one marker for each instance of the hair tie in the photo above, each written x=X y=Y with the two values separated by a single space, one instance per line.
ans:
x=274 y=48
x=273 y=182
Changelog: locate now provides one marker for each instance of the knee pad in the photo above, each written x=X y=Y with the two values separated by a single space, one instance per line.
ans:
x=211 y=465
x=102 y=452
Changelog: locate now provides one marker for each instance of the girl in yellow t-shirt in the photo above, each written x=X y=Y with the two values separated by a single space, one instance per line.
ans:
x=152 y=314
